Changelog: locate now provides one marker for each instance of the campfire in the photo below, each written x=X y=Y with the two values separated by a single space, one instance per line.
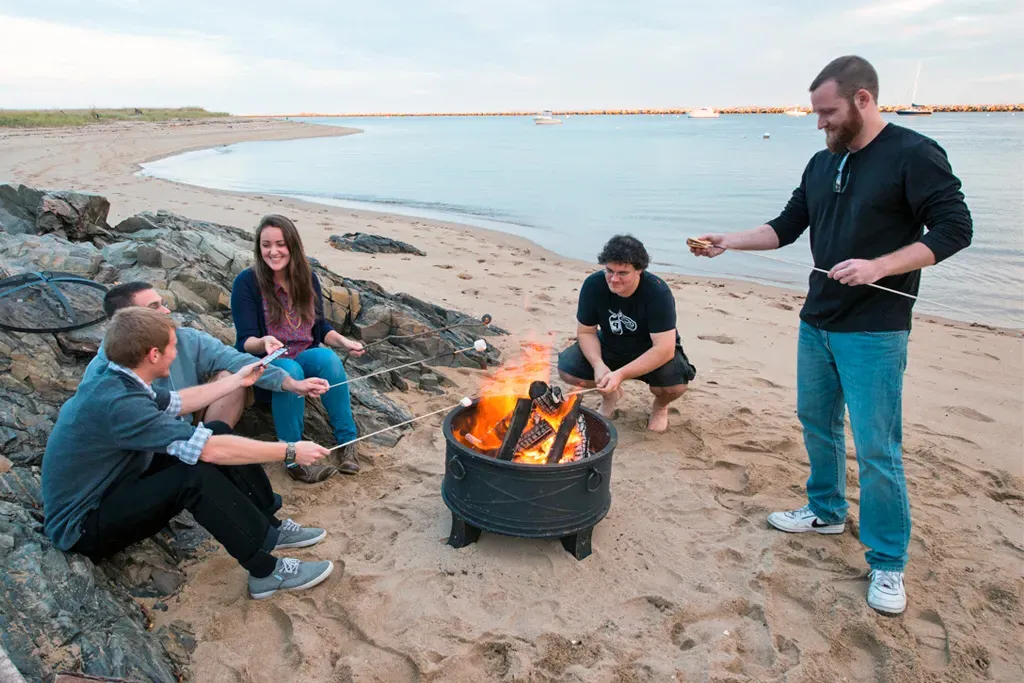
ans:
x=501 y=472
x=521 y=418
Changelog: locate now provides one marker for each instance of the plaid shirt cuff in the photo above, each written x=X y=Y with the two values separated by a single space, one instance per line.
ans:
x=189 y=451
x=174 y=405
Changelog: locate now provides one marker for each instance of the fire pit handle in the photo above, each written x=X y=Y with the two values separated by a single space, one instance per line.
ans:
x=594 y=480
x=454 y=463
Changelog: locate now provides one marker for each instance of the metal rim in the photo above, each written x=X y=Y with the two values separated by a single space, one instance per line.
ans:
x=449 y=435
x=16 y=283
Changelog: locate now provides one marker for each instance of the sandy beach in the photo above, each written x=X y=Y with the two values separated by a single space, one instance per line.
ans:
x=686 y=581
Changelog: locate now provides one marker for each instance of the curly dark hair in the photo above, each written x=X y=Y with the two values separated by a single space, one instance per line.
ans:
x=625 y=249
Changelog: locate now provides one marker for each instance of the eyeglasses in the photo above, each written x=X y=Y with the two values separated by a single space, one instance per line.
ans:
x=839 y=185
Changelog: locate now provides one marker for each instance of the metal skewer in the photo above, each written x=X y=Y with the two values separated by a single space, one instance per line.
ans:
x=479 y=345
x=699 y=244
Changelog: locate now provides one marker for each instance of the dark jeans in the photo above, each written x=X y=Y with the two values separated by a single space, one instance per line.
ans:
x=235 y=503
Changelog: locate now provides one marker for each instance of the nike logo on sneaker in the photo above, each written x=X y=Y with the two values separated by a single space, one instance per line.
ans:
x=817 y=523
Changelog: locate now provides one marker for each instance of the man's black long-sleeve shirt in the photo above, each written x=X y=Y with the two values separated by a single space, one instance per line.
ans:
x=896 y=185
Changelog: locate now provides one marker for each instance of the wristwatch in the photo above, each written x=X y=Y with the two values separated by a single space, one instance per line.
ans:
x=289 y=455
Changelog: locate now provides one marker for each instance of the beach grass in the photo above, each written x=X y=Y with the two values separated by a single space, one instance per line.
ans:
x=57 y=118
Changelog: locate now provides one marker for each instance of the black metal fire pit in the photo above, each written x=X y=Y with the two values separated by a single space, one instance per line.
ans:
x=562 y=501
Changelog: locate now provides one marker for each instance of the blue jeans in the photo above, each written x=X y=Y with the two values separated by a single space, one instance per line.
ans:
x=290 y=410
x=862 y=371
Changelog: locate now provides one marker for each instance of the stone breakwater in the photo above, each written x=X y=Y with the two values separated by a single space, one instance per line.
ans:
x=888 y=108
x=59 y=611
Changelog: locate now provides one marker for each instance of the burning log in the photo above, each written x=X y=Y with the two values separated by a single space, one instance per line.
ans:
x=583 y=445
x=520 y=417
x=536 y=434
x=565 y=428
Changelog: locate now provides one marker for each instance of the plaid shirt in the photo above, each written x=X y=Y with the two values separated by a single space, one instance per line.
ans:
x=186 y=451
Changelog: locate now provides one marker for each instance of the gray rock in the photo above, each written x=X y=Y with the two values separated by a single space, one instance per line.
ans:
x=82 y=613
x=73 y=215
x=58 y=612
x=121 y=254
x=77 y=215
x=19 y=206
x=135 y=224
x=372 y=244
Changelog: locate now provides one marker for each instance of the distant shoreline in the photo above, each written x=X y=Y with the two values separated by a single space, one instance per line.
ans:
x=889 y=109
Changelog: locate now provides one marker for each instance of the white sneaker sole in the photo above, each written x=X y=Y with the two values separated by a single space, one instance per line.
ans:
x=888 y=610
x=302 y=544
x=827 y=530
x=309 y=584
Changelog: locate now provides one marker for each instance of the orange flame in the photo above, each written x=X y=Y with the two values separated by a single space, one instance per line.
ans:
x=484 y=430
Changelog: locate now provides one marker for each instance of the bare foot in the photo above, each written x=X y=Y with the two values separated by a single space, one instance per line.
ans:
x=608 y=403
x=659 y=419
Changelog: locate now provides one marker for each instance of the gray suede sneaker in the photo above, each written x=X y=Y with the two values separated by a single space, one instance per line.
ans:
x=290 y=575
x=294 y=535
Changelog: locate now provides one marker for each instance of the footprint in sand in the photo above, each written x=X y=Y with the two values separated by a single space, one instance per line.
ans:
x=868 y=655
x=969 y=413
x=717 y=338
x=931 y=635
x=730 y=476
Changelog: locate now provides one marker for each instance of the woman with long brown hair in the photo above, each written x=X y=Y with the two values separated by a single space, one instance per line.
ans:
x=277 y=303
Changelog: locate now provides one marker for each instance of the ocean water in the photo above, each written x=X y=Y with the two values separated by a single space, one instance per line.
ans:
x=661 y=178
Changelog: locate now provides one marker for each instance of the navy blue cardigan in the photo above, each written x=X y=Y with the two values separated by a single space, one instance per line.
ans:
x=247 y=310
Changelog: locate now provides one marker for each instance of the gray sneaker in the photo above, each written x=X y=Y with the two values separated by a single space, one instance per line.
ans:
x=290 y=575
x=294 y=535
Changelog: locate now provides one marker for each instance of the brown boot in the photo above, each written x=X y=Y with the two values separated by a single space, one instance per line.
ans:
x=311 y=474
x=347 y=462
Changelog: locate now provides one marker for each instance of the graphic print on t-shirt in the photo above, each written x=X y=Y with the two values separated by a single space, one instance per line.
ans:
x=618 y=321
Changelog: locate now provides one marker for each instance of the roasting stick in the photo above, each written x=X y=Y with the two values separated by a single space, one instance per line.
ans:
x=700 y=244
x=479 y=345
x=465 y=402
x=580 y=391
x=485 y=320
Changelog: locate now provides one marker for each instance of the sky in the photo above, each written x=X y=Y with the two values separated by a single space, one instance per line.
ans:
x=336 y=56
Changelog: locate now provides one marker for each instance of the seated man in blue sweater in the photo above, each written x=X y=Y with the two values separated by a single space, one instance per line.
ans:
x=120 y=463
x=201 y=358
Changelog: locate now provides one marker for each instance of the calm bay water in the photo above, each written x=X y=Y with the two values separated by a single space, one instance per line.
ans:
x=572 y=186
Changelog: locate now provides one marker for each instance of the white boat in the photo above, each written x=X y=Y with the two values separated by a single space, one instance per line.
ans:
x=702 y=113
x=545 y=119
x=795 y=112
x=915 y=109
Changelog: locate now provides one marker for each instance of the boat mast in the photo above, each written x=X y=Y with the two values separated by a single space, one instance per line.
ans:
x=913 y=98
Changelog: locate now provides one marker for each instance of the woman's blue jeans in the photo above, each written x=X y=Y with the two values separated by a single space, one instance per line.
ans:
x=290 y=409
x=862 y=371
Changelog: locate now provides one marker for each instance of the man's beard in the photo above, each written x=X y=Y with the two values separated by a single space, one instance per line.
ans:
x=838 y=140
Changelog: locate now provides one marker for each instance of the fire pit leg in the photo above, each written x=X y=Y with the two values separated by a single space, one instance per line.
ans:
x=579 y=543
x=463 y=533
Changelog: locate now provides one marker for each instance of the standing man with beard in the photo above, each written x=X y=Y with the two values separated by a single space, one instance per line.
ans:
x=867 y=200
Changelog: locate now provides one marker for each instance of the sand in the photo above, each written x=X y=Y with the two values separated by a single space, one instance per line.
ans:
x=686 y=582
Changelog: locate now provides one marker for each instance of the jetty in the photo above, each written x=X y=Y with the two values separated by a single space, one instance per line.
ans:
x=886 y=108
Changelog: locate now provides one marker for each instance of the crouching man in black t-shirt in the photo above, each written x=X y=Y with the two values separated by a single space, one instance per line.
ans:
x=627 y=330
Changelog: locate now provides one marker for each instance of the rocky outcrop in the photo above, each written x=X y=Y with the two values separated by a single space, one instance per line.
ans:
x=72 y=215
x=372 y=244
x=58 y=611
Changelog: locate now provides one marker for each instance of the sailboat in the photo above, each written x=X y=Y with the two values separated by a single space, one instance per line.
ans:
x=915 y=109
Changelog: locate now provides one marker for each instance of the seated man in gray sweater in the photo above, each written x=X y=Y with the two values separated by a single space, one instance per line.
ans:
x=203 y=358
x=120 y=462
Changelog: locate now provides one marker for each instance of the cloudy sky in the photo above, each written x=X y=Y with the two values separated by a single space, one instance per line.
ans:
x=253 y=56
